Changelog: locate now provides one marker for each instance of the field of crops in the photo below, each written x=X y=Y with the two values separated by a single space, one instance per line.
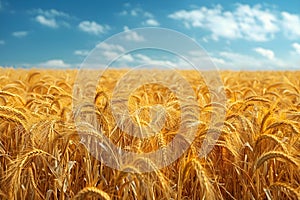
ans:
x=256 y=156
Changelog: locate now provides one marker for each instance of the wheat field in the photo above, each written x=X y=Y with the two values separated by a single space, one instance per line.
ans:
x=256 y=155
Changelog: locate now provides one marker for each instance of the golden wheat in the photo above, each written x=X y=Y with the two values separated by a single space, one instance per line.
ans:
x=91 y=192
x=44 y=154
x=275 y=154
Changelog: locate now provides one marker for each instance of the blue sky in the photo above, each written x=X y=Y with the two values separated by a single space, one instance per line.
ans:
x=236 y=34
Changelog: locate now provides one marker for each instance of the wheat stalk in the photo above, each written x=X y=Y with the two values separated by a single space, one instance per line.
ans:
x=286 y=189
x=274 y=154
x=91 y=192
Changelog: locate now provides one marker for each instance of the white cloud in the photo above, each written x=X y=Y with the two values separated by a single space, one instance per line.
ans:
x=151 y=22
x=2 y=42
x=81 y=52
x=111 y=51
x=148 y=14
x=20 y=34
x=144 y=59
x=133 y=12
x=116 y=53
x=218 y=61
x=51 y=13
x=251 y=23
x=51 y=18
x=296 y=46
x=54 y=64
x=46 y=22
x=136 y=12
x=110 y=47
x=265 y=52
x=121 y=58
x=111 y=55
x=127 y=58
x=201 y=59
x=291 y=25
x=93 y=27
x=237 y=61
x=148 y=17
x=255 y=23
x=132 y=35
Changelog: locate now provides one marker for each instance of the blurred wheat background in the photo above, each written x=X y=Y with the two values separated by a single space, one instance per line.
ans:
x=255 y=157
